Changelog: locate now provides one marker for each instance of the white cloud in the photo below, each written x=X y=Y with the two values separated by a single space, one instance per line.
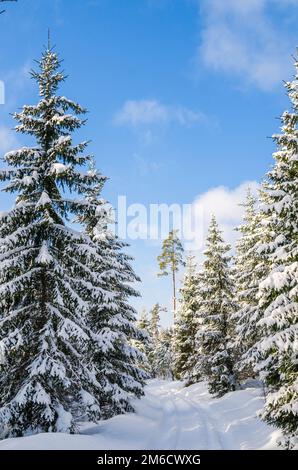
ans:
x=147 y=112
x=225 y=204
x=8 y=141
x=240 y=38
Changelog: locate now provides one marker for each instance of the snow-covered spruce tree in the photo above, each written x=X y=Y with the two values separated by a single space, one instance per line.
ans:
x=46 y=284
x=278 y=347
x=196 y=361
x=218 y=306
x=163 y=361
x=113 y=322
x=154 y=327
x=154 y=331
x=145 y=344
x=185 y=328
x=251 y=266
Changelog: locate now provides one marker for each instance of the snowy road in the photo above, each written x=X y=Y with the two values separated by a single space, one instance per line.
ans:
x=189 y=419
x=183 y=423
x=171 y=417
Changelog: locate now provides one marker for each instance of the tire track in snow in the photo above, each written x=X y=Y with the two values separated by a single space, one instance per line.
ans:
x=167 y=431
x=170 y=432
x=214 y=440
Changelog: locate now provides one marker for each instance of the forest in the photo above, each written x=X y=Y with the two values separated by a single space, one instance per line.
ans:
x=74 y=351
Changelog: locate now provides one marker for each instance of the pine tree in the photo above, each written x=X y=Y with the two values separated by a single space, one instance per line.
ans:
x=115 y=358
x=170 y=259
x=46 y=285
x=278 y=361
x=250 y=268
x=185 y=328
x=217 y=327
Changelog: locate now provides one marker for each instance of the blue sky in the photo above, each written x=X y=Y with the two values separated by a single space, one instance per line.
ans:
x=182 y=96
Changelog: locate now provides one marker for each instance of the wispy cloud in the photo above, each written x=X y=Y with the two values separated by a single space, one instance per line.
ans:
x=137 y=113
x=17 y=82
x=145 y=166
x=240 y=38
x=19 y=77
x=8 y=140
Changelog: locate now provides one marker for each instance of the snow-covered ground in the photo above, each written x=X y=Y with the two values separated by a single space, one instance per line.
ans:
x=171 y=417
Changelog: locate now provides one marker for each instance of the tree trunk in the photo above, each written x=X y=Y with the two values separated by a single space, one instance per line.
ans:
x=174 y=293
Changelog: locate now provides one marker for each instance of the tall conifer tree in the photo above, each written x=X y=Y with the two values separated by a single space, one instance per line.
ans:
x=55 y=280
x=45 y=283
x=250 y=268
x=218 y=305
x=115 y=359
x=170 y=260
x=155 y=312
x=185 y=327
x=163 y=361
x=154 y=330
x=195 y=364
x=278 y=361
x=145 y=345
